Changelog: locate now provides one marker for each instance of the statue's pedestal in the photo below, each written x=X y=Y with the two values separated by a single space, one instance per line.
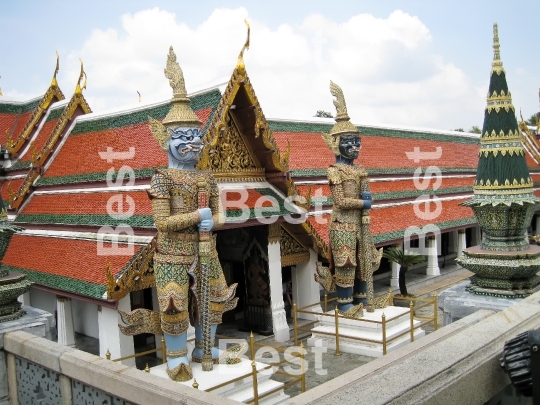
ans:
x=351 y=329
x=457 y=302
x=241 y=390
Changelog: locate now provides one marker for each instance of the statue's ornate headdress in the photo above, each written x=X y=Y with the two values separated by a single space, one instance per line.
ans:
x=180 y=114
x=343 y=125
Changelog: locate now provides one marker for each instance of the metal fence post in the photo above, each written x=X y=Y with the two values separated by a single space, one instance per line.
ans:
x=295 y=324
x=411 y=312
x=336 y=313
x=255 y=386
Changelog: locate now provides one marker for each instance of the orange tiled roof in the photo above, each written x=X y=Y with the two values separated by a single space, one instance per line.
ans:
x=67 y=264
x=389 y=223
x=79 y=160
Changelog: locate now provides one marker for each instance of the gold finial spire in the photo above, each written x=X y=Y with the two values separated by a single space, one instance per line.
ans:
x=180 y=114
x=240 y=64
x=82 y=74
x=139 y=95
x=496 y=65
x=53 y=81
x=343 y=125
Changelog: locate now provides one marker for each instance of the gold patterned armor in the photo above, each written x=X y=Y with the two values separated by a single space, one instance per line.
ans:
x=174 y=203
x=346 y=183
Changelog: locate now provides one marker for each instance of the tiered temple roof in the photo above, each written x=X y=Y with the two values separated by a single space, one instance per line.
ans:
x=66 y=203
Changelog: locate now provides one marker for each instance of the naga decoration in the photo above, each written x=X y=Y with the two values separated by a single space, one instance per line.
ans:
x=190 y=284
x=353 y=255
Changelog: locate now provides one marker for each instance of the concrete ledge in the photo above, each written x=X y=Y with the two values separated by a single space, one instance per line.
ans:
x=130 y=384
x=457 y=364
x=35 y=349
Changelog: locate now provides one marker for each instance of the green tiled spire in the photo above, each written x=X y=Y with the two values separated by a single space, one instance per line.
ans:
x=502 y=176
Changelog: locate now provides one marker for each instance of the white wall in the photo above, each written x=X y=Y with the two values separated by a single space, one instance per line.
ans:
x=43 y=300
x=85 y=318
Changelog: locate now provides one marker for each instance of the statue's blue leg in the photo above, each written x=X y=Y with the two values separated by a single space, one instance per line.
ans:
x=198 y=352
x=360 y=289
x=344 y=298
x=176 y=343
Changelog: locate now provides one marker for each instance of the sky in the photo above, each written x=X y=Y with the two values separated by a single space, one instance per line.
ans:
x=401 y=63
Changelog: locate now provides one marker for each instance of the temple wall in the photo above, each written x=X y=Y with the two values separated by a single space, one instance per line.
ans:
x=85 y=318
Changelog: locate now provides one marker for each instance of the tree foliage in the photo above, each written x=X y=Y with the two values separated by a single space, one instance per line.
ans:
x=323 y=114
x=405 y=260
x=533 y=119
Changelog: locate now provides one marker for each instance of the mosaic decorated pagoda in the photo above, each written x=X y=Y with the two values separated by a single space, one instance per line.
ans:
x=505 y=265
x=12 y=284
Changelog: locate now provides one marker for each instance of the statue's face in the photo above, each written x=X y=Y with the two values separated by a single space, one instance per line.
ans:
x=185 y=144
x=349 y=146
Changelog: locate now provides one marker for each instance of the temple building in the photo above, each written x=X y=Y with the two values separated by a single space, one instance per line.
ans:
x=77 y=182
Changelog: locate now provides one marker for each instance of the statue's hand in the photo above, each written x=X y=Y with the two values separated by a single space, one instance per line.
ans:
x=366 y=198
x=206 y=225
x=205 y=213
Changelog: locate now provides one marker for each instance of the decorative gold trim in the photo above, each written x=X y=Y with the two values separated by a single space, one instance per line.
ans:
x=495 y=185
x=40 y=157
x=274 y=233
x=138 y=276
x=212 y=137
x=503 y=151
x=292 y=251
x=14 y=142
x=497 y=102
x=497 y=65
x=176 y=353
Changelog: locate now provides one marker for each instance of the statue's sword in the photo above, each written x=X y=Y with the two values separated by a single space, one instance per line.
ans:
x=205 y=239
x=366 y=249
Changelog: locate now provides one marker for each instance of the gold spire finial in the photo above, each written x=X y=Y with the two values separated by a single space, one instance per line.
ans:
x=56 y=69
x=240 y=64
x=180 y=114
x=496 y=65
x=82 y=74
x=174 y=73
x=339 y=102
x=139 y=95
x=343 y=125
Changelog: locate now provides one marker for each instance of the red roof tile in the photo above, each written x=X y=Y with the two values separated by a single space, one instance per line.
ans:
x=80 y=154
x=85 y=203
x=308 y=151
x=76 y=259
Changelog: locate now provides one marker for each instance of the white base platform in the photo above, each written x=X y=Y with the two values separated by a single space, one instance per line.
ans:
x=241 y=390
x=350 y=329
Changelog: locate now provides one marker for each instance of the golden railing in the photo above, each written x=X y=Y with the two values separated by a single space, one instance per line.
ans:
x=161 y=349
x=385 y=341
x=293 y=379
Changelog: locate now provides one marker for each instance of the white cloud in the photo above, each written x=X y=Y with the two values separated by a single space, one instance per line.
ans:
x=385 y=66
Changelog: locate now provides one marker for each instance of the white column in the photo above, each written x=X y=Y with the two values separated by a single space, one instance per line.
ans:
x=432 y=259
x=279 y=319
x=24 y=299
x=394 y=281
x=476 y=236
x=110 y=337
x=538 y=224
x=305 y=290
x=66 y=333
x=453 y=242
x=462 y=242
